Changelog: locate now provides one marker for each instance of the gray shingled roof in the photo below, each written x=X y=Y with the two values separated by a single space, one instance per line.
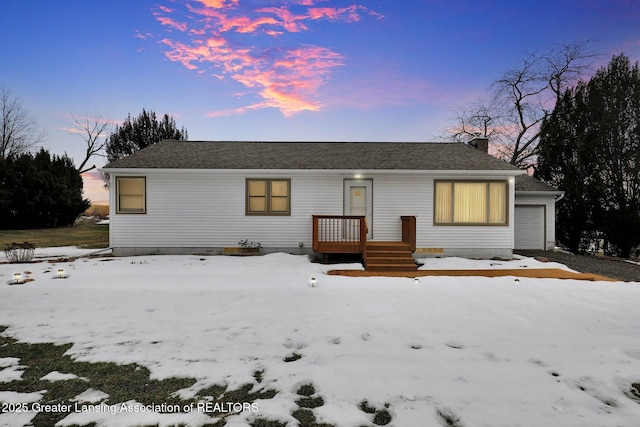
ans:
x=311 y=155
x=529 y=183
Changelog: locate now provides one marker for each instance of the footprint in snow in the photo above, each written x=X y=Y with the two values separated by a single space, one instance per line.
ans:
x=454 y=344
x=595 y=390
x=448 y=418
x=292 y=357
x=538 y=362
x=292 y=344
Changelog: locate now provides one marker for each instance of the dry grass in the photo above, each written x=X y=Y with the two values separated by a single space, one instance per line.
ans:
x=87 y=235
x=99 y=211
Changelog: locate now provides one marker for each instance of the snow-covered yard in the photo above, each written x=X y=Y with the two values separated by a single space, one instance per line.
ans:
x=485 y=351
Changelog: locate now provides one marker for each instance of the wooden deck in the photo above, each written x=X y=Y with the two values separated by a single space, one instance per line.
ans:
x=339 y=234
x=539 y=273
x=342 y=234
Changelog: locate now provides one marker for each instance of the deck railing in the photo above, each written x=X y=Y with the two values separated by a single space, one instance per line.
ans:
x=339 y=234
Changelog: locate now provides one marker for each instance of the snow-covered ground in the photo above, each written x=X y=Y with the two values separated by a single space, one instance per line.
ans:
x=489 y=351
x=457 y=263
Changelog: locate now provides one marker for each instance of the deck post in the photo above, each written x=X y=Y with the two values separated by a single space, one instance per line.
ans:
x=363 y=237
x=315 y=233
x=409 y=231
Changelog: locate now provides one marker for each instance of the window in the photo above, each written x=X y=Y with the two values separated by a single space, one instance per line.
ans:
x=131 y=195
x=268 y=197
x=470 y=203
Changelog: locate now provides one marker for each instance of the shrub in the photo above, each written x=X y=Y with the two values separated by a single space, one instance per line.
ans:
x=39 y=191
x=246 y=244
x=19 y=252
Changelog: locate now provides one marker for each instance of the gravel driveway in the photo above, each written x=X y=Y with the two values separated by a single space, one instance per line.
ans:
x=609 y=267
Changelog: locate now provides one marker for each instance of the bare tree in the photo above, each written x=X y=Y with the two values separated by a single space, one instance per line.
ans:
x=19 y=131
x=93 y=130
x=520 y=100
x=473 y=122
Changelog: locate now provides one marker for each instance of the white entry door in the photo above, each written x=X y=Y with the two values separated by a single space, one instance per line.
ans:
x=358 y=200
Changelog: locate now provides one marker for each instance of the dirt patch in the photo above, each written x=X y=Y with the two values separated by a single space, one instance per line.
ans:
x=541 y=273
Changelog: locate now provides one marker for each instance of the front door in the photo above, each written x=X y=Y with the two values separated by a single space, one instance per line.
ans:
x=358 y=200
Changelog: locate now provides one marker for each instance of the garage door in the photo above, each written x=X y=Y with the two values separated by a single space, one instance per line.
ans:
x=529 y=227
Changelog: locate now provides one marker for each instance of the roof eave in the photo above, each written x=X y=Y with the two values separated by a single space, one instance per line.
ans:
x=540 y=193
x=463 y=172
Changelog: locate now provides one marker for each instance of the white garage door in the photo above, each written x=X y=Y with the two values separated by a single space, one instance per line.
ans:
x=529 y=227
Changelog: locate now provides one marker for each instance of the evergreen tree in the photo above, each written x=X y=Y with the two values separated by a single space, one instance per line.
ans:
x=141 y=132
x=565 y=161
x=40 y=191
x=590 y=148
x=614 y=104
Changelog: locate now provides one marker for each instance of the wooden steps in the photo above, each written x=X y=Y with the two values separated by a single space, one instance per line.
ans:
x=389 y=256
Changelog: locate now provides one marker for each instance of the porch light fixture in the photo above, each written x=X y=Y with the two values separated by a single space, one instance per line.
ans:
x=312 y=282
x=17 y=278
x=60 y=274
x=416 y=281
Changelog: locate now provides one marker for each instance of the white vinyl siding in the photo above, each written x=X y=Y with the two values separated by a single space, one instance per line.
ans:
x=398 y=195
x=206 y=209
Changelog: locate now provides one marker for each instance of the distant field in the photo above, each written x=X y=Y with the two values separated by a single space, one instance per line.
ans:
x=86 y=235
x=100 y=211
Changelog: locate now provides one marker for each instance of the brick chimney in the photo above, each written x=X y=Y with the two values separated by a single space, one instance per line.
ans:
x=481 y=143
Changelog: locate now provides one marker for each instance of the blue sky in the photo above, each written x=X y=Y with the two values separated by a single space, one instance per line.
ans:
x=335 y=70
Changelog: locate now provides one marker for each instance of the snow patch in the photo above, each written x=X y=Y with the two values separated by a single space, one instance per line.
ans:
x=12 y=370
x=59 y=376
x=467 y=350
x=90 y=396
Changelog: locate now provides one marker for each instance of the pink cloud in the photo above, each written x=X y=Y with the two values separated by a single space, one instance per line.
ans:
x=348 y=14
x=94 y=188
x=222 y=40
x=181 y=26
x=274 y=33
x=218 y=4
x=142 y=35
x=94 y=177
x=288 y=19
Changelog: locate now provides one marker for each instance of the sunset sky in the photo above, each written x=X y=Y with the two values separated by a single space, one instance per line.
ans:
x=331 y=70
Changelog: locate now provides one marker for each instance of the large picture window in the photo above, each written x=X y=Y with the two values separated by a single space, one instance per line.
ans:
x=470 y=203
x=268 y=197
x=131 y=195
